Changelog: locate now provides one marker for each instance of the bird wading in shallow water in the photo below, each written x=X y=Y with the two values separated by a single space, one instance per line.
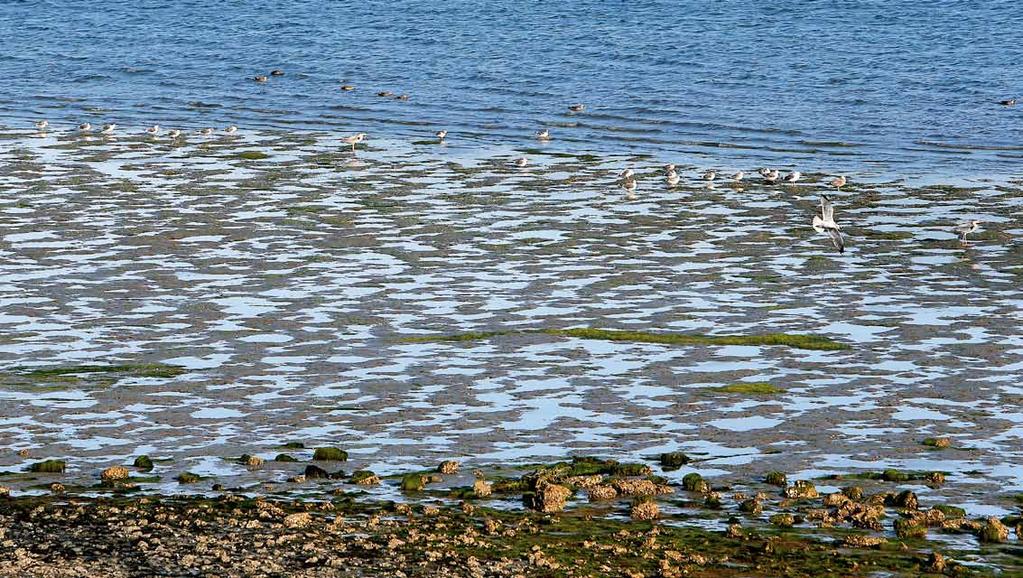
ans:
x=838 y=182
x=543 y=134
x=108 y=129
x=85 y=127
x=825 y=223
x=354 y=139
x=965 y=229
x=153 y=130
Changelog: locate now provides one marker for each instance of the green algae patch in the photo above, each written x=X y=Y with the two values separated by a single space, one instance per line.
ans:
x=330 y=455
x=817 y=342
x=188 y=478
x=252 y=155
x=144 y=463
x=749 y=388
x=285 y=458
x=133 y=370
x=797 y=341
x=48 y=467
x=673 y=460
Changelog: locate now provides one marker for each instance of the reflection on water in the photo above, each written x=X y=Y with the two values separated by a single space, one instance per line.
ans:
x=284 y=285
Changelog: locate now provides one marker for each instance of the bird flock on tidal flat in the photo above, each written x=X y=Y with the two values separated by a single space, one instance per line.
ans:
x=823 y=220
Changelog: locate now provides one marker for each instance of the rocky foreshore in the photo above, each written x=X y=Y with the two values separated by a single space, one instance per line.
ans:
x=585 y=517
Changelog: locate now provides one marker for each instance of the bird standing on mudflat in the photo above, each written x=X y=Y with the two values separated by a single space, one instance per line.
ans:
x=354 y=139
x=825 y=223
x=965 y=229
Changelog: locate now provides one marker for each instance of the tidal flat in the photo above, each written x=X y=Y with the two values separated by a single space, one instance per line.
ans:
x=265 y=295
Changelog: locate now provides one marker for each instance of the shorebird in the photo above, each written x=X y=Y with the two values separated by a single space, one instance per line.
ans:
x=710 y=175
x=85 y=127
x=825 y=223
x=579 y=107
x=277 y=72
x=231 y=129
x=672 y=179
x=42 y=124
x=1008 y=102
x=108 y=128
x=771 y=176
x=521 y=162
x=793 y=176
x=629 y=184
x=385 y=93
x=206 y=131
x=153 y=130
x=174 y=133
x=965 y=229
x=401 y=97
x=440 y=135
x=737 y=177
x=627 y=174
x=347 y=87
x=669 y=168
x=838 y=182
x=354 y=139
x=544 y=134
x=260 y=78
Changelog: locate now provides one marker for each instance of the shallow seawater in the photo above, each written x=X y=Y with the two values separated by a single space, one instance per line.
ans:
x=288 y=290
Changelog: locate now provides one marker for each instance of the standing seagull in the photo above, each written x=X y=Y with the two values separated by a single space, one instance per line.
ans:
x=521 y=162
x=174 y=133
x=793 y=176
x=838 y=182
x=543 y=134
x=577 y=107
x=85 y=127
x=825 y=223
x=672 y=179
x=153 y=130
x=965 y=229
x=354 y=139
x=206 y=131
x=737 y=177
x=710 y=175
x=440 y=135
x=108 y=129
x=42 y=124
x=231 y=129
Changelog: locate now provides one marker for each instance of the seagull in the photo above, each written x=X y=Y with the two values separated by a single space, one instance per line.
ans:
x=440 y=134
x=174 y=133
x=206 y=131
x=153 y=130
x=231 y=129
x=577 y=107
x=543 y=134
x=965 y=229
x=838 y=182
x=793 y=176
x=401 y=97
x=354 y=139
x=771 y=175
x=669 y=168
x=1008 y=102
x=347 y=87
x=672 y=179
x=629 y=184
x=108 y=128
x=710 y=175
x=627 y=174
x=85 y=127
x=737 y=177
x=260 y=78
x=385 y=93
x=277 y=72
x=825 y=223
x=521 y=162
x=42 y=124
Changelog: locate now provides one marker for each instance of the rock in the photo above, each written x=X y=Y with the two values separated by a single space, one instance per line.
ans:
x=143 y=463
x=365 y=478
x=297 y=479
x=713 y=501
x=935 y=563
x=905 y=499
x=863 y=541
x=298 y=520
x=602 y=493
x=907 y=528
x=315 y=473
x=644 y=510
x=951 y=511
x=403 y=509
x=482 y=488
x=448 y=467
x=413 y=483
x=936 y=478
x=776 y=479
x=853 y=492
x=250 y=461
x=993 y=531
x=5 y=492
x=783 y=520
x=630 y=487
x=430 y=511
x=330 y=454
x=674 y=460
x=835 y=500
x=57 y=488
x=187 y=478
x=49 y=467
x=115 y=474
x=735 y=532
x=24 y=453
x=585 y=482
x=751 y=506
x=801 y=489
x=939 y=443
x=549 y=498
x=695 y=483
x=285 y=458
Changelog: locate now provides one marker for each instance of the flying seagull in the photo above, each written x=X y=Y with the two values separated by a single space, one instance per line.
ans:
x=825 y=223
